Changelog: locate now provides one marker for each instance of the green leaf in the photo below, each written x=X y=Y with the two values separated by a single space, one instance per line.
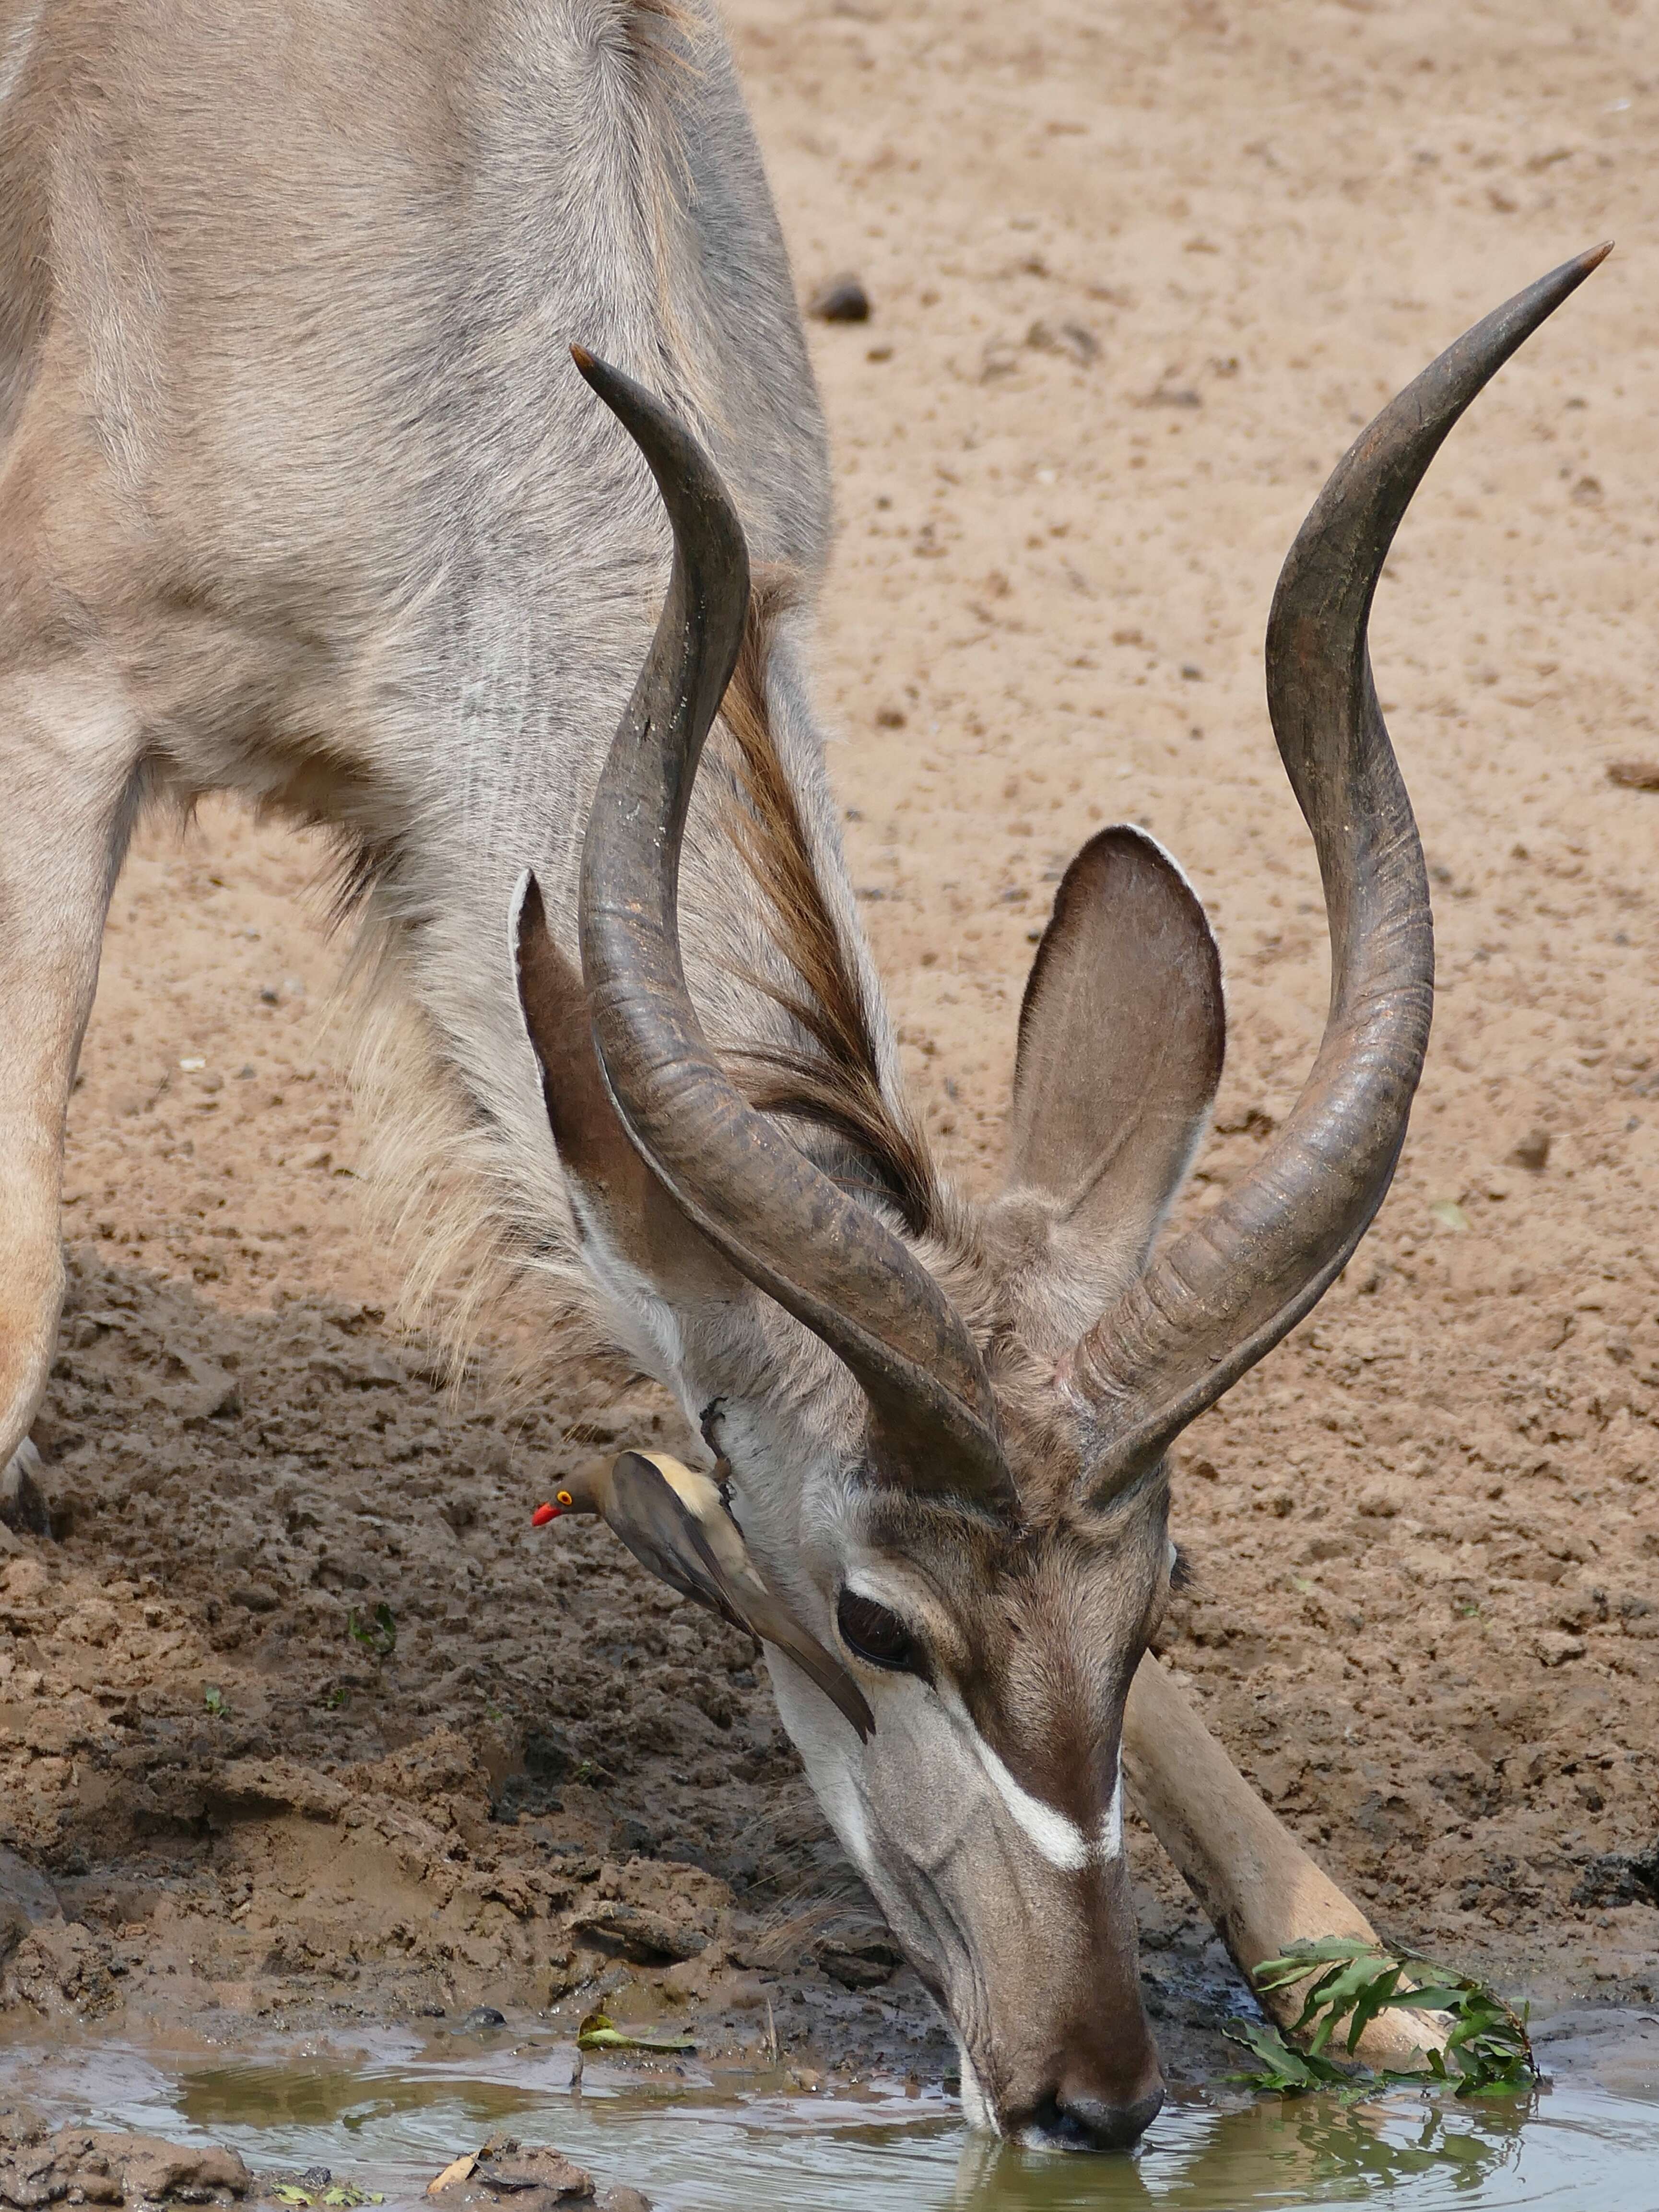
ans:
x=1371 y=2000
x=598 y=2031
x=378 y=1635
x=1353 y=1981
x=1282 y=2070
x=616 y=2039
x=1427 y=1998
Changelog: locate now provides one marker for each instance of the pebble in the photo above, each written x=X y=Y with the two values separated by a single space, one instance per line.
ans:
x=842 y=299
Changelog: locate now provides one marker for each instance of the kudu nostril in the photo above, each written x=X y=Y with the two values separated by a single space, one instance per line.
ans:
x=1069 y=2121
x=1096 y=2125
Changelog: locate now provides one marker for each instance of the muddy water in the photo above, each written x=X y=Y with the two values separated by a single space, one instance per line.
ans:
x=388 y=2115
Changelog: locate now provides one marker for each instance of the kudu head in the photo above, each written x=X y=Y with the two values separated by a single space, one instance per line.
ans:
x=945 y=1439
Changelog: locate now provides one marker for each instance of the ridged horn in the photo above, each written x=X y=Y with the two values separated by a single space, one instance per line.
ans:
x=752 y=1193
x=1229 y=1288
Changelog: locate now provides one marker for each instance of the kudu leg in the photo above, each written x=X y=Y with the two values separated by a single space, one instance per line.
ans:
x=67 y=750
x=1259 y=1888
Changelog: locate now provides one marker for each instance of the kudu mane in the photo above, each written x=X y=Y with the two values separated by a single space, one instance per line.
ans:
x=839 y=1087
x=436 y=1174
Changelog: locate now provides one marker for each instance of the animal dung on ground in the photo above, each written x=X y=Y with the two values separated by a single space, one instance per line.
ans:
x=839 y=300
x=1635 y=776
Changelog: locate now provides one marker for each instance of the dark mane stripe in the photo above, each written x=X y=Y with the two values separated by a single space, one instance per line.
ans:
x=837 y=1087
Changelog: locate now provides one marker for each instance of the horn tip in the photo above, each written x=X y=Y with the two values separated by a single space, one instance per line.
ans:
x=583 y=359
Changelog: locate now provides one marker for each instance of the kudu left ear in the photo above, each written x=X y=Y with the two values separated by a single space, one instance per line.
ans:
x=1121 y=1034
x=638 y=1216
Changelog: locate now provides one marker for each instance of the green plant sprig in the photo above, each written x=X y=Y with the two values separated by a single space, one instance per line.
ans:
x=378 y=1635
x=1486 y=2048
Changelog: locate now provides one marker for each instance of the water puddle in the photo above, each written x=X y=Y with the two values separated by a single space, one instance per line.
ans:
x=389 y=2112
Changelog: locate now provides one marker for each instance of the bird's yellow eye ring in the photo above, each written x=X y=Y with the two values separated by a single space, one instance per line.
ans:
x=564 y=1497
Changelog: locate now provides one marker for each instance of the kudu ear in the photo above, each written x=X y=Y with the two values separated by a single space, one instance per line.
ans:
x=1121 y=1033
x=636 y=1214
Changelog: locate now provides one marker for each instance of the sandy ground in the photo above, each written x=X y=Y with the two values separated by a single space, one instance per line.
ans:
x=1137 y=275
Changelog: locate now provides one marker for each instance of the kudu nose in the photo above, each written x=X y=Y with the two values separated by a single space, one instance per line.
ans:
x=1078 y=2115
x=1086 y=2123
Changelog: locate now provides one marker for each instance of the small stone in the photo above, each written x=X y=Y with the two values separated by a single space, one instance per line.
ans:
x=859 y=1958
x=1555 y=1648
x=840 y=300
x=620 y=2199
x=1074 y=340
x=531 y=2174
x=1532 y=1151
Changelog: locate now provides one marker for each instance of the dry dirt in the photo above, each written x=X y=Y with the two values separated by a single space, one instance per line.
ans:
x=1137 y=275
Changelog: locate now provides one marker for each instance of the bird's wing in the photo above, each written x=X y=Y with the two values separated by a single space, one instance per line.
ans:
x=773 y=1624
x=662 y=1533
x=681 y=1530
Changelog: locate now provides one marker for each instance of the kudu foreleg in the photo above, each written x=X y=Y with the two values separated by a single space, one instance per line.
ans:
x=1260 y=1889
x=68 y=751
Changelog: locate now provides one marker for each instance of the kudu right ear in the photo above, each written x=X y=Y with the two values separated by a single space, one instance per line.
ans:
x=1121 y=1034
x=613 y=1182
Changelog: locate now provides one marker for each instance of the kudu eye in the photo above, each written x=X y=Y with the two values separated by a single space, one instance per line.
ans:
x=871 y=1632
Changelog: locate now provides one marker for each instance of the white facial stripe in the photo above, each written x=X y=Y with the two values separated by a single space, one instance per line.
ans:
x=1055 y=1836
x=1060 y=1841
x=1054 y=1833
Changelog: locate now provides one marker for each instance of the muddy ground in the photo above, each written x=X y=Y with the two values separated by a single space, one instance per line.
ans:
x=1137 y=275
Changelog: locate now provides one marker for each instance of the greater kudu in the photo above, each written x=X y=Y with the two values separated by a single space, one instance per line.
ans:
x=300 y=497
